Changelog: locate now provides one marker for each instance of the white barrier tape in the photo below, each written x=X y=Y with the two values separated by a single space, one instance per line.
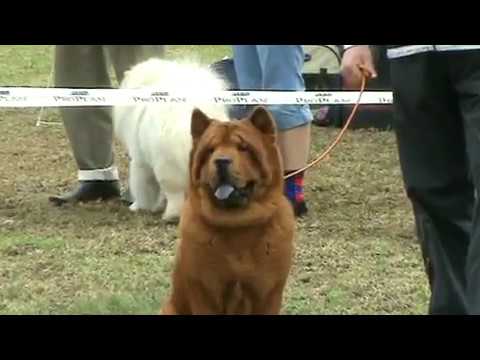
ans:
x=56 y=97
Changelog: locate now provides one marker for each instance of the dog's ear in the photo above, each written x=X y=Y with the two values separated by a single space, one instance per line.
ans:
x=263 y=121
x=200 y=123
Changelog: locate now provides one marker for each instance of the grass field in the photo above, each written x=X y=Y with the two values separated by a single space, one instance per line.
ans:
x=356 y=250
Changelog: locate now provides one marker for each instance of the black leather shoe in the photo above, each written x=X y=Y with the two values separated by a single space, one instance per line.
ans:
x=300 y=209
x=89 y=191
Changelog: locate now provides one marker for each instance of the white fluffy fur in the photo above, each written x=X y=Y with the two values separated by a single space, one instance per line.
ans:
x=158 y=136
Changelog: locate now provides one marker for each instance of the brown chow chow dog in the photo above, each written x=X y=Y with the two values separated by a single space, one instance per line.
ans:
x=236 y=228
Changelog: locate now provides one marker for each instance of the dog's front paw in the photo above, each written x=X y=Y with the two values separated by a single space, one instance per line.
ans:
x=134 y=207
x=160 y=206
x=171 y=219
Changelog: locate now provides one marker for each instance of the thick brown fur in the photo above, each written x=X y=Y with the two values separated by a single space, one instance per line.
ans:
x=233 y=260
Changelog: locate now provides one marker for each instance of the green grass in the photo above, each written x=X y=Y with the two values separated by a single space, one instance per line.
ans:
x=24 y=65
x=204 y=54
x=356 y=250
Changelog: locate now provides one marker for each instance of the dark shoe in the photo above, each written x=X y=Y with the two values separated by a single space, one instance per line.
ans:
x=300 y=209
x=89 y=191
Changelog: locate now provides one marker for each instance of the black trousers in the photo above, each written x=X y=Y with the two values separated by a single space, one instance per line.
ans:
x=437 y=103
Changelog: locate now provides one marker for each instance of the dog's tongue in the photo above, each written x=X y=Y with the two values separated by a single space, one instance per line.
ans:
x=224 y=191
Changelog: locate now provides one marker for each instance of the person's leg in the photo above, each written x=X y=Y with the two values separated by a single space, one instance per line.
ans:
x=124 y=57
x=88 y=129
x=247 y=67
x=248 y=73
x=465 y=73
x=282 y=70
x=431 y=144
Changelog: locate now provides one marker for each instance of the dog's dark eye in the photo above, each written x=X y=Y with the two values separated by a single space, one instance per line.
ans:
x=242 y=147
x=210 y=150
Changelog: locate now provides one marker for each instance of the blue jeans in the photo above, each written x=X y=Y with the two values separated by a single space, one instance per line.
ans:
x=274 y=67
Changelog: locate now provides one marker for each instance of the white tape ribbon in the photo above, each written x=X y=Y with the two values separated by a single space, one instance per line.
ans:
x=23 y=97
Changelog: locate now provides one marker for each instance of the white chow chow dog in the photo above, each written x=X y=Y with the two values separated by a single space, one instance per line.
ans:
x=157 y=136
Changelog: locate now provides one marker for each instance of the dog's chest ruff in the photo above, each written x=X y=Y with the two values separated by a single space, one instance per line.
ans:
x=242 y=264
x=243 y=261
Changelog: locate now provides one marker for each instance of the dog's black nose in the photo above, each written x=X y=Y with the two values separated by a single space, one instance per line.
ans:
x=223 y=161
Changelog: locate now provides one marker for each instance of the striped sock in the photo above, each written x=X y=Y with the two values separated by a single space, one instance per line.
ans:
x=294 y=188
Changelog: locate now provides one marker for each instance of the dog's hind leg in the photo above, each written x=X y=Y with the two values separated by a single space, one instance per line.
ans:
x=144 y=187
x=175 y=200
x=173 y=185
x=161 y=202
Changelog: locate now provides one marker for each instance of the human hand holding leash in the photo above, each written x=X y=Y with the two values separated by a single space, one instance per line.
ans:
x=357 y=62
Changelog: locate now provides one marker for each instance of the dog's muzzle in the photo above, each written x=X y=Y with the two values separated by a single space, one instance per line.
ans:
x=226 y=193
